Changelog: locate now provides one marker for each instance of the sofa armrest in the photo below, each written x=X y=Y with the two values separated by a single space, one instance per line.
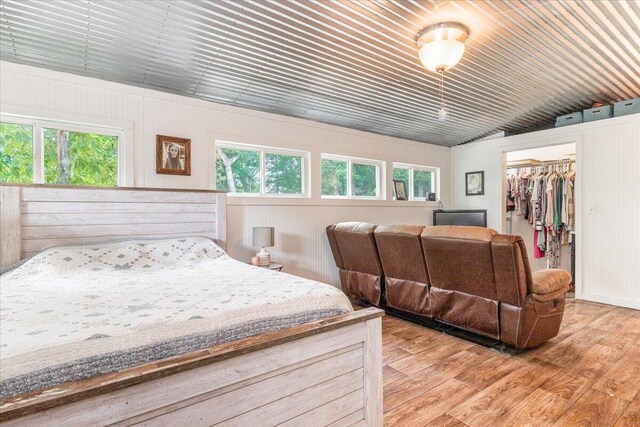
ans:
x=550 y=281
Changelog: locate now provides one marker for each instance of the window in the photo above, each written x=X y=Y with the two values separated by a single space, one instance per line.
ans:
x=58 y=153
x=238 y=171
x=420 y=180
x=80 y=158
x=344 y=177
x=283 y=174
x=250 y=170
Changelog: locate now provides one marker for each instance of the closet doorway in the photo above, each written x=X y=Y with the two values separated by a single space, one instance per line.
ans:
x=539 y=202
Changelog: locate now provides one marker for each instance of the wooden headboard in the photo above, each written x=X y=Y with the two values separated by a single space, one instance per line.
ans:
x=33 y=217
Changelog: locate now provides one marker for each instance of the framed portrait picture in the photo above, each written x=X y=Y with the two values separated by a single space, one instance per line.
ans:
x=400 y=189
x=474 y=183
x=173 y=155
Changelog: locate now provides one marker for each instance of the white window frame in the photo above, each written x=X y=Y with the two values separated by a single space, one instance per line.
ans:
x=37 y=139
x=379 y=164
x=434 y=181
x=264 y=150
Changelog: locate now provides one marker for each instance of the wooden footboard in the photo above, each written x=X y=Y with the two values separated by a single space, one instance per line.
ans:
x=327 y=372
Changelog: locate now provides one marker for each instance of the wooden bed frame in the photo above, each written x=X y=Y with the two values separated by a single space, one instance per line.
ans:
x=327 y=372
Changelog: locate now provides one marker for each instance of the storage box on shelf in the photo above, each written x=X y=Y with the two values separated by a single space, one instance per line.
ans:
x=629 y=106
x=597 y=113
x=569 y=119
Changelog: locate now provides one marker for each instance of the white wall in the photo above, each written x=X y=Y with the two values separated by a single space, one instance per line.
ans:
x=300 y=239
x=554 y=152
x=607 y=199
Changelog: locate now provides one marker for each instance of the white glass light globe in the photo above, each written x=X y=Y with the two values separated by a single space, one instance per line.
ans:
x=440 y=55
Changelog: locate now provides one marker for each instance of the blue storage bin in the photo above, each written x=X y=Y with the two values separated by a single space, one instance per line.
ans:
x=569 y=119
x=630 y=106
x=597 y=113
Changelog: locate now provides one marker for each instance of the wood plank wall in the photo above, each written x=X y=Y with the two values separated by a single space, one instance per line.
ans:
x=35 y=217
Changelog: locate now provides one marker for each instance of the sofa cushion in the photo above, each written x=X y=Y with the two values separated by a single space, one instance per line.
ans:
x=511 y=266
x=357 y=247
x=333 y=244
x=459 y=259
x=400 y=252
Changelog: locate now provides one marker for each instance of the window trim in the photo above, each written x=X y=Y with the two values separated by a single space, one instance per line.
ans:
x=379 y=164
x=434 y=182
x=264 y=150
x=38 y=126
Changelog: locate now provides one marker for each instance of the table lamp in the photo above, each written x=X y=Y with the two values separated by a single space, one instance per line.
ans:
x=263 y=238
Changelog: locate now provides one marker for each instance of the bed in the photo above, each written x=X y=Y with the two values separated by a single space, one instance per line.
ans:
x=159 y=326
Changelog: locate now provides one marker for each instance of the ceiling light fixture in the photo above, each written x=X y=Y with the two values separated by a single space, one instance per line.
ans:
x=441 y=47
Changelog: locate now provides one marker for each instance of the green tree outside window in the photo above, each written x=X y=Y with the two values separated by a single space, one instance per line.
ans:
x=334 y=177
x=283 y=174
x=77 y=158
x=238 y=171
x=16 y=153
x=364 y=179
x=401 y=174
x=421 y=183
x=80 y=158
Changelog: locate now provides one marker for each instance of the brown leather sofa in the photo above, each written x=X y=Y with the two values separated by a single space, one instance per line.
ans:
x=405 y=272
x=469 y=277
x=356 y=255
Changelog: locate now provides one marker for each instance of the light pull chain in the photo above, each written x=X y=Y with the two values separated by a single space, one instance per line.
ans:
x=441 y=89
x=442 y=113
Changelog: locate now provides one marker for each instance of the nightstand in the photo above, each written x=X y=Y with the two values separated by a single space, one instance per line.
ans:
x=274 y=266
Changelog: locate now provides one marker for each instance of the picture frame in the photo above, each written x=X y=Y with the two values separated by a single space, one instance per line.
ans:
x=173 y=155
x=474 y=183
x=400 y=189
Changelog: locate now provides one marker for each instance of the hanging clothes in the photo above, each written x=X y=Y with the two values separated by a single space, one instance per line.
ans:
x=570 y=201
x=559 y=196
x=553 y=252
x=544 y=196
x=539 y=243
x=511 y=202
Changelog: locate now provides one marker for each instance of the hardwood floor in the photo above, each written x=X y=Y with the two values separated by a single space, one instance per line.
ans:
x=589 y=375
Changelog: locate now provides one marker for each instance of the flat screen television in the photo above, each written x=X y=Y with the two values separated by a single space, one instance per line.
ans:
x=473 y=217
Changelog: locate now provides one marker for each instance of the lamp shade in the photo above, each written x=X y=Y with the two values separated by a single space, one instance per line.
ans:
x=263 y=237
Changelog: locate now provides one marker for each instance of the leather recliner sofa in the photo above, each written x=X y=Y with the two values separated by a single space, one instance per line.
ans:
x=469 y=277
x=356 y=256
x=405 y=272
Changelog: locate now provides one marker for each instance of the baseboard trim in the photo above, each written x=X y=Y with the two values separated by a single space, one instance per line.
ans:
x=620 y=302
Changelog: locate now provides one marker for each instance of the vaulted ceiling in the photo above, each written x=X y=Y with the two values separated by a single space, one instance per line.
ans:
x=349 y=63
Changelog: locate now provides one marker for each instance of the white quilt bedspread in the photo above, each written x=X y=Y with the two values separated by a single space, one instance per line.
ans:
x=139 y=301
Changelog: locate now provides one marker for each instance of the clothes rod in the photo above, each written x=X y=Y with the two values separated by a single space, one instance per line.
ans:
x=545 y=163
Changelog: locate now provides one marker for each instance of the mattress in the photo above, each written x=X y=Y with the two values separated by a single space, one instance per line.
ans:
x=74 y=312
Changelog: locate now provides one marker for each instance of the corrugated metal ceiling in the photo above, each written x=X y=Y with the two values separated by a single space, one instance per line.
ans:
x=350 y=63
